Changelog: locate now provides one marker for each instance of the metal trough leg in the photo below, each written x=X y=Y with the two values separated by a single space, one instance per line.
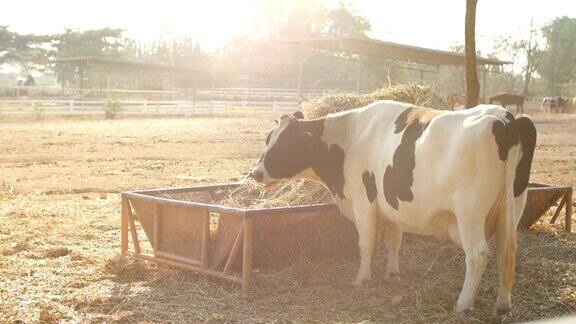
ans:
x=247 y=255
x=124 y=227
x=568 y=221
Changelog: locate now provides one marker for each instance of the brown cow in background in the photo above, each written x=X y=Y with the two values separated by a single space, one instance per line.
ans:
x=510 y=99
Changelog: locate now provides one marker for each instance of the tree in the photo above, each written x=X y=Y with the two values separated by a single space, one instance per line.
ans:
x=472 y=84
x=344 y=22
x=534 y=55
x=531 y=49
x=558 y=64
x=105 y=42
x=26 y=51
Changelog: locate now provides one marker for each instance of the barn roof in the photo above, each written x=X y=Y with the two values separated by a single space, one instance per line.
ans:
x=374 y=47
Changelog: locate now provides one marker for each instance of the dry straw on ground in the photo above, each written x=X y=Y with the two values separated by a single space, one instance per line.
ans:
x=59 y=235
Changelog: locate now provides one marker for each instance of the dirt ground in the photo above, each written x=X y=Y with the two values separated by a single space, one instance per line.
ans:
x=59 y=234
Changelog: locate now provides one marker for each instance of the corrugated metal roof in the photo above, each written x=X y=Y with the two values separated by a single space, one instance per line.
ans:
x=390 y=50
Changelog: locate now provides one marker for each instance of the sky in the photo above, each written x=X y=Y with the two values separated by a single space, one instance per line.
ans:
x=427 y=23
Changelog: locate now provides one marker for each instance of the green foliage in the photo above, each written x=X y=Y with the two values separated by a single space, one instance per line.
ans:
x=39 y=110
x=344 y=22
x=558 y=65
x=27 y=51
x=105 y=42
x=112 y=109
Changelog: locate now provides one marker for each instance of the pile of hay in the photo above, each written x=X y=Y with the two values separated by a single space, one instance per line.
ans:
x=419 y=95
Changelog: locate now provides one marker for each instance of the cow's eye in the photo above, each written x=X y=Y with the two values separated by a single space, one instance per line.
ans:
x=268 y=137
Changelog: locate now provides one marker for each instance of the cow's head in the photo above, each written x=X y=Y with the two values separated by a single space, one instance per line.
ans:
x=289 y=150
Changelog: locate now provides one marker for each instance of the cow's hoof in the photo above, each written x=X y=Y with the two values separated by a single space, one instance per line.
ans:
x=501 y=311
x=393 y=277
x=360 y=282
x=463 y=308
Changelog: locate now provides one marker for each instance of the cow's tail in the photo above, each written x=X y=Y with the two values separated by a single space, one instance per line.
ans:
x=518 y=166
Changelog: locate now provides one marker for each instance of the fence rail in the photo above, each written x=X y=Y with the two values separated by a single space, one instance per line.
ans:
x=219 y=94
x=71 y=107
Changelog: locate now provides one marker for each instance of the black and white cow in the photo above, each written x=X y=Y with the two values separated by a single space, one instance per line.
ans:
x=461 y=175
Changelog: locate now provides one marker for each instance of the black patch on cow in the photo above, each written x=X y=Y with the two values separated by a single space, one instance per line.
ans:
x=298 y=115
x=399 y=177
x=370 y=184
x=506 y=134
x=527 y=133
x=290 y=154
x=328 y=164
x=299 y=146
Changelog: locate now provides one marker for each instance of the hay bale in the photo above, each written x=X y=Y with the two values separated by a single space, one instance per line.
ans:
x=419 y=95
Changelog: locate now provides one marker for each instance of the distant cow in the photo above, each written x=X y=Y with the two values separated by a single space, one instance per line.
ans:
x=510 y=99
x=556 y=105
x=460 y=175
x=547 y=104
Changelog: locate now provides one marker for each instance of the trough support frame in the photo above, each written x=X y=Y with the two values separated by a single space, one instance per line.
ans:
x=566 y=204
x=569 y=207
x=244 y=237
x=247 y=253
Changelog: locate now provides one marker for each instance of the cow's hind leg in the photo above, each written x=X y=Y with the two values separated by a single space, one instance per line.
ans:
x=471 y=215
x=506 y=238
x=365 y=216
x=393 y=240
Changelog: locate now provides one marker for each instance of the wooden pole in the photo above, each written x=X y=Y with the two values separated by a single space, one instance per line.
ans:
x=359 y=74
x=132 y=226
x=299 y=76
x=484 y=85
x=559 y=209
x=190 y=267
x=247 y=255
x=472 y=86
x=124 y=227
x=235 y=250
x=568 y=222
x=156 y=213
x=205 y=238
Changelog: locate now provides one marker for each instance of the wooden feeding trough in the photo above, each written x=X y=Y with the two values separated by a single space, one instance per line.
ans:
x=543 y=196
x=187 y=228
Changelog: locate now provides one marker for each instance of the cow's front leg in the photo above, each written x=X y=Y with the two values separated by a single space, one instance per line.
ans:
x=365 y=216
x=393 y=240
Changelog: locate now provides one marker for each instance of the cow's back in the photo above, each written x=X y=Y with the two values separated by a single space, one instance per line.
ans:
x=417 y=170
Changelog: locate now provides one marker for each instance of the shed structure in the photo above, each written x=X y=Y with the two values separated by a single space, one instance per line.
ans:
x=407 y=56
x=112 y=73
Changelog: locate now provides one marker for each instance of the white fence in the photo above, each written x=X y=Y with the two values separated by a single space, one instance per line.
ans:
x=42 y=108
x=218 y=94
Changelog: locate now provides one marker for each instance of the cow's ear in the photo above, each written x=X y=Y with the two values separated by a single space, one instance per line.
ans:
x=298 y=115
